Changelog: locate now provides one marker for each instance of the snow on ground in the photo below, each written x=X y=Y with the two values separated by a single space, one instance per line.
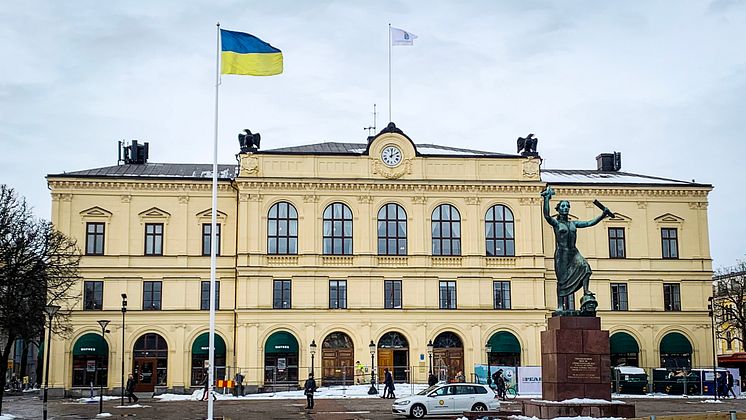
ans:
x=95 y=399
x=103 y=415
x=564 y=418
x=352 y=391
x=132 y=406
x=581 y=401
x=7 y=417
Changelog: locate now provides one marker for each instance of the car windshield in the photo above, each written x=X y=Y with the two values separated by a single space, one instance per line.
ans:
x=428 y=390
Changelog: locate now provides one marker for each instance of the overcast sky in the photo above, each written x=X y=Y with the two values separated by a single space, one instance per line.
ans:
x=660 y=82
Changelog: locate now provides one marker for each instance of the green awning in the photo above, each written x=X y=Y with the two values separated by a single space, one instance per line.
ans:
x=675 y=343
x=202 y=345
x=504 y=342
x=91 y=345
x=621 y=342
x=281 y=342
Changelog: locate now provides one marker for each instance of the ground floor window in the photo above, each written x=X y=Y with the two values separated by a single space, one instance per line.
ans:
x=201 y=354
x=90 y=361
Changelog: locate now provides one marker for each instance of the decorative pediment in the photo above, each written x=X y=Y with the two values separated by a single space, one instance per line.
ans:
x=669 y=218
x=154 y=214
x=207 y=214
x=95 y=213
x=618 y=218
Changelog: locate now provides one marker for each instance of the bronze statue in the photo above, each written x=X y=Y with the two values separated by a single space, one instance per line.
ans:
x=572 y=270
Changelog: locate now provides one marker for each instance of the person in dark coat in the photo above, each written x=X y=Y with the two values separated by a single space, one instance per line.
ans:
x=432 y=379
x=499 y=381
x=388 y=382
x=309 y=387
x=730 y=383
x=130 y=389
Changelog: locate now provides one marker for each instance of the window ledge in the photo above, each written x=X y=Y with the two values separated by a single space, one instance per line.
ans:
x=282 y=260
x=338 y=259
x=500 y=261
x=392 y=260
x=438 y=261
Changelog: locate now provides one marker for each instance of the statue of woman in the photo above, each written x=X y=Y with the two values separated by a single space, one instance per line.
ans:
x=572 y=270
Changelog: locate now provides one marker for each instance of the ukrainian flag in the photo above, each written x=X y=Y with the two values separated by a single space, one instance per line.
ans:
x=246 y=54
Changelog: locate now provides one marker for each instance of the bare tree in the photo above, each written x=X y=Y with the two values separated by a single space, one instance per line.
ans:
x=38 y=267
x=729 y=303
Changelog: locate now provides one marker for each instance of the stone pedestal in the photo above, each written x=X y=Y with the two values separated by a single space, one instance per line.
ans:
x=575 y=361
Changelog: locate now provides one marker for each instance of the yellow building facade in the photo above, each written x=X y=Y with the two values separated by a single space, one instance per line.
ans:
x=424 y=254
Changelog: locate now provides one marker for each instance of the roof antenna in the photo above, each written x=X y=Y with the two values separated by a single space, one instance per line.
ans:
x=373 y=128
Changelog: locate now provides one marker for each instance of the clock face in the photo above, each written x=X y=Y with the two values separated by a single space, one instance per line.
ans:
x=391 y=156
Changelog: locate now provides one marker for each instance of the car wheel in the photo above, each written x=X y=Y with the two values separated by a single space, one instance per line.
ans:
x=479 y=407
x=418 y=411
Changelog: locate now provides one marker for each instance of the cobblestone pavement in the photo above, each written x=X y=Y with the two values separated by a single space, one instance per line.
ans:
x=337 y=409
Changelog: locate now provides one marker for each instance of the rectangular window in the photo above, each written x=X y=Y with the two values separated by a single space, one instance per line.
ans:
x=204 y=301
x=501 y=294
x=616 y=243
x=207 y=236
x=94 y=239
x=392 y=294
x=281 y=294
x=618 y=296
x=447 y=295
x=93 y=299
x=151 y=295
x=154 y=239
x=337 y=294
x=670 y=239
x=671 y=296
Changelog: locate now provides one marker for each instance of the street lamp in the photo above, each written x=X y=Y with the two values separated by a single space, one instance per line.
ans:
x=430 y=354
x=50 y=310
x=103 y=323
x=124 y=311
x=313 y=352
x=372 y=390
x=711 y=313
x=488 y=349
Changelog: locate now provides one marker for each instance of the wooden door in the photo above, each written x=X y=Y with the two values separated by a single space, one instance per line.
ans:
x=385 y=360
x=448 y=362
x=337 y=366
x=145 y=373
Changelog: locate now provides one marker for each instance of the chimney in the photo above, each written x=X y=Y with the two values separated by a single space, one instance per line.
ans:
x=609 y=162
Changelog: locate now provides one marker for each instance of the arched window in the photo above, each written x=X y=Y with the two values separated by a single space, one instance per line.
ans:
x=282 y=229
x=446 y=230
x=499 y=232
x=337 y=230
x=392 y=230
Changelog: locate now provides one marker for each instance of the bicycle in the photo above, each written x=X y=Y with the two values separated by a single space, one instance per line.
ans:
x=511 y=392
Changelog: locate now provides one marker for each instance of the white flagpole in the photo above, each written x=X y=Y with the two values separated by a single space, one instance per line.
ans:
x=389 y=72
x=213 y=240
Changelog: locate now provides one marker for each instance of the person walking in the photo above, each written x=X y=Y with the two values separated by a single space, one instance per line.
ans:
x=730 y=385
x=499 y=382
x=239 y=384
x=129 y=389
x=388 y=389
x=359 y=372
x=309 y=387
x=432 y=379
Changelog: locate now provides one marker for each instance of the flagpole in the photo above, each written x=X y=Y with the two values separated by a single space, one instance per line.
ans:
x=389 y=72
x=213 y=238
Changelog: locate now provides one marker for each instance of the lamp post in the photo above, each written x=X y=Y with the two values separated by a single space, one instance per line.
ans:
x=313 y=352
x=430 y=354
x=372 y=390
x=488 y=349
x=50 y=310
x=124 y=311
x=711 y=313
x=103 y=323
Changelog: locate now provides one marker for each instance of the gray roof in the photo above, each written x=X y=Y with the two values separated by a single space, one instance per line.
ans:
x=157 y=170
x=334 y=148
x=589 y=176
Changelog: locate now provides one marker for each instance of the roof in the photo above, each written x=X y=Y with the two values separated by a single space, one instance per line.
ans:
x=157 y=170
x=589 y=176
x=334 y=148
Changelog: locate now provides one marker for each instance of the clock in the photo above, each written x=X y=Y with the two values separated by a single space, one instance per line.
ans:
x=391 y=156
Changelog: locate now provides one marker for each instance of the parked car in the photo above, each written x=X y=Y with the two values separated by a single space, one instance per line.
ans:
x=442 y=399
x=630 y=380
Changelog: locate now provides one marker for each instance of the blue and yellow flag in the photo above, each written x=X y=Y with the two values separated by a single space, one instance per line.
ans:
x=246 y=54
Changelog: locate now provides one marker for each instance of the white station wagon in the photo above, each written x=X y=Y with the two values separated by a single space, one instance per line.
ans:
x=447 y=399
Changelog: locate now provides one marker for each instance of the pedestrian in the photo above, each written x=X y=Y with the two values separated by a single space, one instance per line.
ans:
x=499 y=381
x=130 y=389
x=359 y=372
x=730 y=385
x=308 y=389
x=388 y=389
x=460 y=377
x=206 y=392
x=721 y=385
x=432 y=379
x=239 y=384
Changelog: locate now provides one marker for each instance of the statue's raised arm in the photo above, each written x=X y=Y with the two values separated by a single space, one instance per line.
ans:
x=547 y=194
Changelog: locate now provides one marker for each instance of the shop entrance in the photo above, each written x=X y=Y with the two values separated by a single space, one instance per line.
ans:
x=281 y=359
x=393 y=353
x=448 y=356
x=150 y=363
x=337 y=360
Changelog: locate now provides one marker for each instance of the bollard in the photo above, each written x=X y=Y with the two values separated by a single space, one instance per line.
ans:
x=732 y=414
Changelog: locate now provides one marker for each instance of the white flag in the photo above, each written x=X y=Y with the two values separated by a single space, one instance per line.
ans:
x=402 y=37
